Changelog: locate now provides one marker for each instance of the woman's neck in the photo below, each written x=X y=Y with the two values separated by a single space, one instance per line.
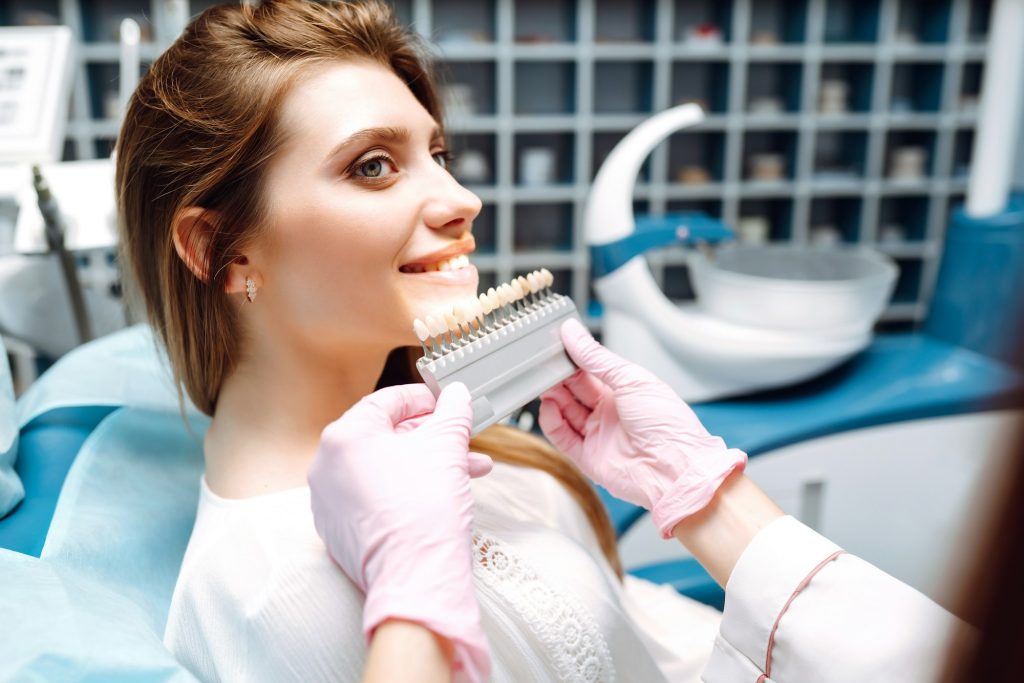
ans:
x=271 y=411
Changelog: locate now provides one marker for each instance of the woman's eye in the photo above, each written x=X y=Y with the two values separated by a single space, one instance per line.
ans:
x=443 y=158
x=374 y=167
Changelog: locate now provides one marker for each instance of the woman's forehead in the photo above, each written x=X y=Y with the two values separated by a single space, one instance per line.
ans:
x=342 y=98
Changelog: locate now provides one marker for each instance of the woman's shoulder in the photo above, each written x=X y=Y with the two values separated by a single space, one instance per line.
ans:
x=256 y=573
x=250 y=541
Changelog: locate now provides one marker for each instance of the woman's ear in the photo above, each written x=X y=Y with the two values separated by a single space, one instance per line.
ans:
x=191 y=232
x=193 y=229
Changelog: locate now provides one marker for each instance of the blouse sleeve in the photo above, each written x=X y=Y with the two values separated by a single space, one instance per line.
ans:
x=800 y=609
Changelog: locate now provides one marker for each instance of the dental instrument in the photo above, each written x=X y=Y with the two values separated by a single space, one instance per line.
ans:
x=54 y=232
x=503 y=345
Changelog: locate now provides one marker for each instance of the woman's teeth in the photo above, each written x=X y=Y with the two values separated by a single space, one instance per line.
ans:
x=454 y=263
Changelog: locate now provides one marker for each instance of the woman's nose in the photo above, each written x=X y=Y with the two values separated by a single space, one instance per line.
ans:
x=450 y=204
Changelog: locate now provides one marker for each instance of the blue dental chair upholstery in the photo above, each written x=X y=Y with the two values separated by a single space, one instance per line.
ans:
x=84 y=586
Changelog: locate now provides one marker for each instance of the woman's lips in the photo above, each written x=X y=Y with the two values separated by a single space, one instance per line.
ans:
x=466 y=275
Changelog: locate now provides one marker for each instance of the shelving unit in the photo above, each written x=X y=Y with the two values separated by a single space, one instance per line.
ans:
x=812 y=108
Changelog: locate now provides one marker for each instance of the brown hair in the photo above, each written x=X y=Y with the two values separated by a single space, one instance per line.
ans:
x=199 y=131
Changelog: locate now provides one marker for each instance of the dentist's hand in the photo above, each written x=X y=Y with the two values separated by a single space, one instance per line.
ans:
x=629 y=432
x=391 y=500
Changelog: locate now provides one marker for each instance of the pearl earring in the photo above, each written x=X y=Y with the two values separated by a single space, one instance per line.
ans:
x=250 y=289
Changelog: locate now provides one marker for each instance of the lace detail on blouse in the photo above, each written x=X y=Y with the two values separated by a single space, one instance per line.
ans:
x=569 y=633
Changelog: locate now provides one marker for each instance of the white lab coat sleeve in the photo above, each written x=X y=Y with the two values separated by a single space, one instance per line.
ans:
x=798 y=609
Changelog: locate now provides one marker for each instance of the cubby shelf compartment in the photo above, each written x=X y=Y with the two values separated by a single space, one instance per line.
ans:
x=963 y=146
x=545 y=87
x=475 y=158
x=845 y=87
x=703 y=83
x=769 y=156
x=903 y=219
x=920 y=22
x=703 y=24
x=485 y=230
x=916 y=87
x=851 y=21
x=626 y=87
x=835 y=219
x=909 y=155
x=545 y=21
x=970 y=86
x=773 y=88
x=544 y=159
x=543 y=227
x=778 y=21
x=840 y=155
x=629 y=22
x=769 y=219
x=463 y=21
x=468 y=88
x=696 y=158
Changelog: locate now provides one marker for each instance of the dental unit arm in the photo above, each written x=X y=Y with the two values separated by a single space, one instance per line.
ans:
x=54 y=232
x=685 y=228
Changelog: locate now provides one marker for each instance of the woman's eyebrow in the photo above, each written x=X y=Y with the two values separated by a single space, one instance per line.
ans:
x=391 y=134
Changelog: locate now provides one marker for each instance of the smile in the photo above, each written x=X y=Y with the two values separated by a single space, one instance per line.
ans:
x=449 y=264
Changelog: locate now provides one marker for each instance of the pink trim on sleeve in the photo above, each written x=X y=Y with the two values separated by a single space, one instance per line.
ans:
x=796 y=592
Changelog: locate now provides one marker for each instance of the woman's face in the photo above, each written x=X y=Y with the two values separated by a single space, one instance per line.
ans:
x=362 y=213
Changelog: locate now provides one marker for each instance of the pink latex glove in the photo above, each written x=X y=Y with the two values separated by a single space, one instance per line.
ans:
x=630 y=433
x=392 y=503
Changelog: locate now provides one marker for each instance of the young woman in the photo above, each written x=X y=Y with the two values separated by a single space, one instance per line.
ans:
x=287 y=212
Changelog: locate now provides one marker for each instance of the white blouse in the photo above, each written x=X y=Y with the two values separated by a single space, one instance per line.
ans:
x=259 y=599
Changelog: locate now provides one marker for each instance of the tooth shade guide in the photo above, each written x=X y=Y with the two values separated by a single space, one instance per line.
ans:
x=435 y=326
x=516 y=355
x=420 y=329
x=531 y=280
x=464 y=322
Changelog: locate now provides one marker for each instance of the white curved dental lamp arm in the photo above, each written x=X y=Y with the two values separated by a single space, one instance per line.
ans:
x=608 y=215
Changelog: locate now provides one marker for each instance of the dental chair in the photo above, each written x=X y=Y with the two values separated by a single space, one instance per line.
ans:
x=89 y=557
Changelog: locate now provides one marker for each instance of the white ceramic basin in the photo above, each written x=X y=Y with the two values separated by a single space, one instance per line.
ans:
x=791 y=287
